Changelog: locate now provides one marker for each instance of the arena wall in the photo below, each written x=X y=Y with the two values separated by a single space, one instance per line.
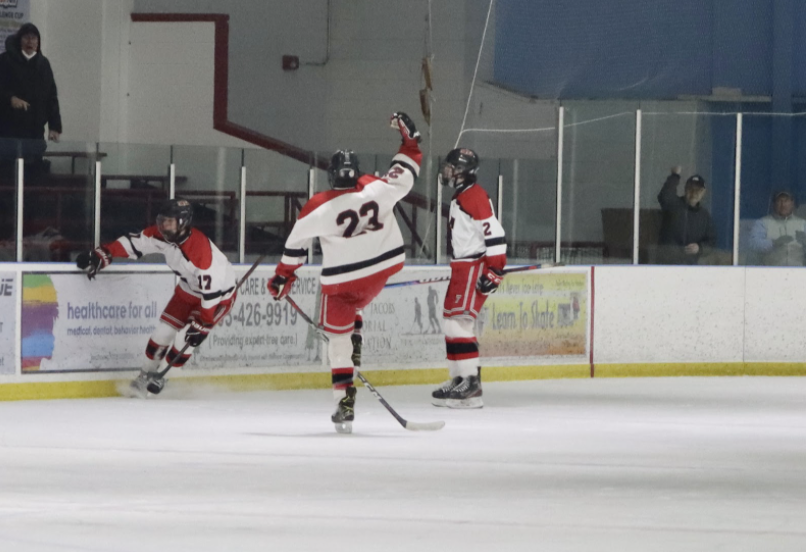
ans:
x=63 y=336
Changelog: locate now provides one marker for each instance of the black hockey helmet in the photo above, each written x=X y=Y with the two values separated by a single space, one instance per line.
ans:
x=459 y=168
x=179 y=210
x=342 y=172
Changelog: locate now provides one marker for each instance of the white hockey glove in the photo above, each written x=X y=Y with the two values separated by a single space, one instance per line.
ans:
x=405 y=125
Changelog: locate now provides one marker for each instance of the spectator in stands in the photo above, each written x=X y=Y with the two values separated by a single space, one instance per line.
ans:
x=28 y=98
x=686 y=232
x=780 y=237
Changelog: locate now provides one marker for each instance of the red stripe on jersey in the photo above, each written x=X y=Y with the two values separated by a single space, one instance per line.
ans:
x=320 y=199
x=116 y=249
x=413 y=152
x=496 y=261
x=475 y=202
x=197 y=249
x=153 y=232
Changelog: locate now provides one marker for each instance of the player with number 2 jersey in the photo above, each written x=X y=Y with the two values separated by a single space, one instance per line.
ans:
x=478 y=249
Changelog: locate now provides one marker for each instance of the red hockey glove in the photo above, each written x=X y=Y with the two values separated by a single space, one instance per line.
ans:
x=93 y=261
x=489 y=280
x=196 y=334
x=280 y=286
x=405 y=125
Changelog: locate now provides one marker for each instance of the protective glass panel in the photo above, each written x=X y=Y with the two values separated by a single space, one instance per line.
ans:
x=8 y=200
x=134 y=181
x=59 y=199
x=598 y=182
x=688 y=139
x=276 y=190
x=773 y=229
x=210 y=177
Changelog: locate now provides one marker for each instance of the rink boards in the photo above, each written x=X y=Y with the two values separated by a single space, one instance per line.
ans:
x=64 y=336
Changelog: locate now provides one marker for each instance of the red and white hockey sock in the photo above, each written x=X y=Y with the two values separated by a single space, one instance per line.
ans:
x=463 y=355
x=342 y=378
x=181 y=360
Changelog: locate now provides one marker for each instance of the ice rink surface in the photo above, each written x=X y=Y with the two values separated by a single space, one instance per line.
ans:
x=627 y=465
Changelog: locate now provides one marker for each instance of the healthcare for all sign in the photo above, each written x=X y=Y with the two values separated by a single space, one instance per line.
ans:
x=72 y=324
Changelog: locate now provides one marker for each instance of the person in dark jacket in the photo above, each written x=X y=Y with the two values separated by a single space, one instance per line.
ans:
x=686 y=231
x=28 y=97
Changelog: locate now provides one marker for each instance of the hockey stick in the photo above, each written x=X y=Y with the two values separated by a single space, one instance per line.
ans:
x=447 y=278
x=171 y=364
x=412 y=426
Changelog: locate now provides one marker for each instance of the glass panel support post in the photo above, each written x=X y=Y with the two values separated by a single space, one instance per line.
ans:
x=20 y=206
x=737 y=189
x=242 y=217
x=559 y=215
x=636 y=218
x=311 y=191
x=96 y=239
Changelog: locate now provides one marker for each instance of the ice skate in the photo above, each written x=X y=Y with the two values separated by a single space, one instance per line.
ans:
x=138 y=388
x=440 y=396
x=344 y=415
x=467 y=394
x=145 y=383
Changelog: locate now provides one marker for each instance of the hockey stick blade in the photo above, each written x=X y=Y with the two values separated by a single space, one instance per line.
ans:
x=412 y=426
x=424 y=426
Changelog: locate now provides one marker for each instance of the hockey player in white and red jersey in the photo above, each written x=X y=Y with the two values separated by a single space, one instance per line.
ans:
x=205 y=292
x=478 y=249
x=361 y=246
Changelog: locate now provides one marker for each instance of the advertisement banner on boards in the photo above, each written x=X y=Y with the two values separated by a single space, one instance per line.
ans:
x=13 y=13
x=69 y=323
x=540 y=315
x=8 y=306
x=403 y=325
x=536 y=314
x=261 y=332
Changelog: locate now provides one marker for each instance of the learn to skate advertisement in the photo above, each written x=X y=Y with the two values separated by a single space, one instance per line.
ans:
x=261 y=332
x=536 y=314
x=69 y=323
x=8 y=296
x=13 y=13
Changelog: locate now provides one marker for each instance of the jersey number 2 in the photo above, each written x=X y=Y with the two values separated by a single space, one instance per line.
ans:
x=355 y=221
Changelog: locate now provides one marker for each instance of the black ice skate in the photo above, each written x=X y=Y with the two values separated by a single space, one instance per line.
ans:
x=467 y=394
x=345 y=412
x=440 y=396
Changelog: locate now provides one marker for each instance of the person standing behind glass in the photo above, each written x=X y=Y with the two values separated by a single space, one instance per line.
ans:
x=687 y=231
x=780 y=236
x=28 y=96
